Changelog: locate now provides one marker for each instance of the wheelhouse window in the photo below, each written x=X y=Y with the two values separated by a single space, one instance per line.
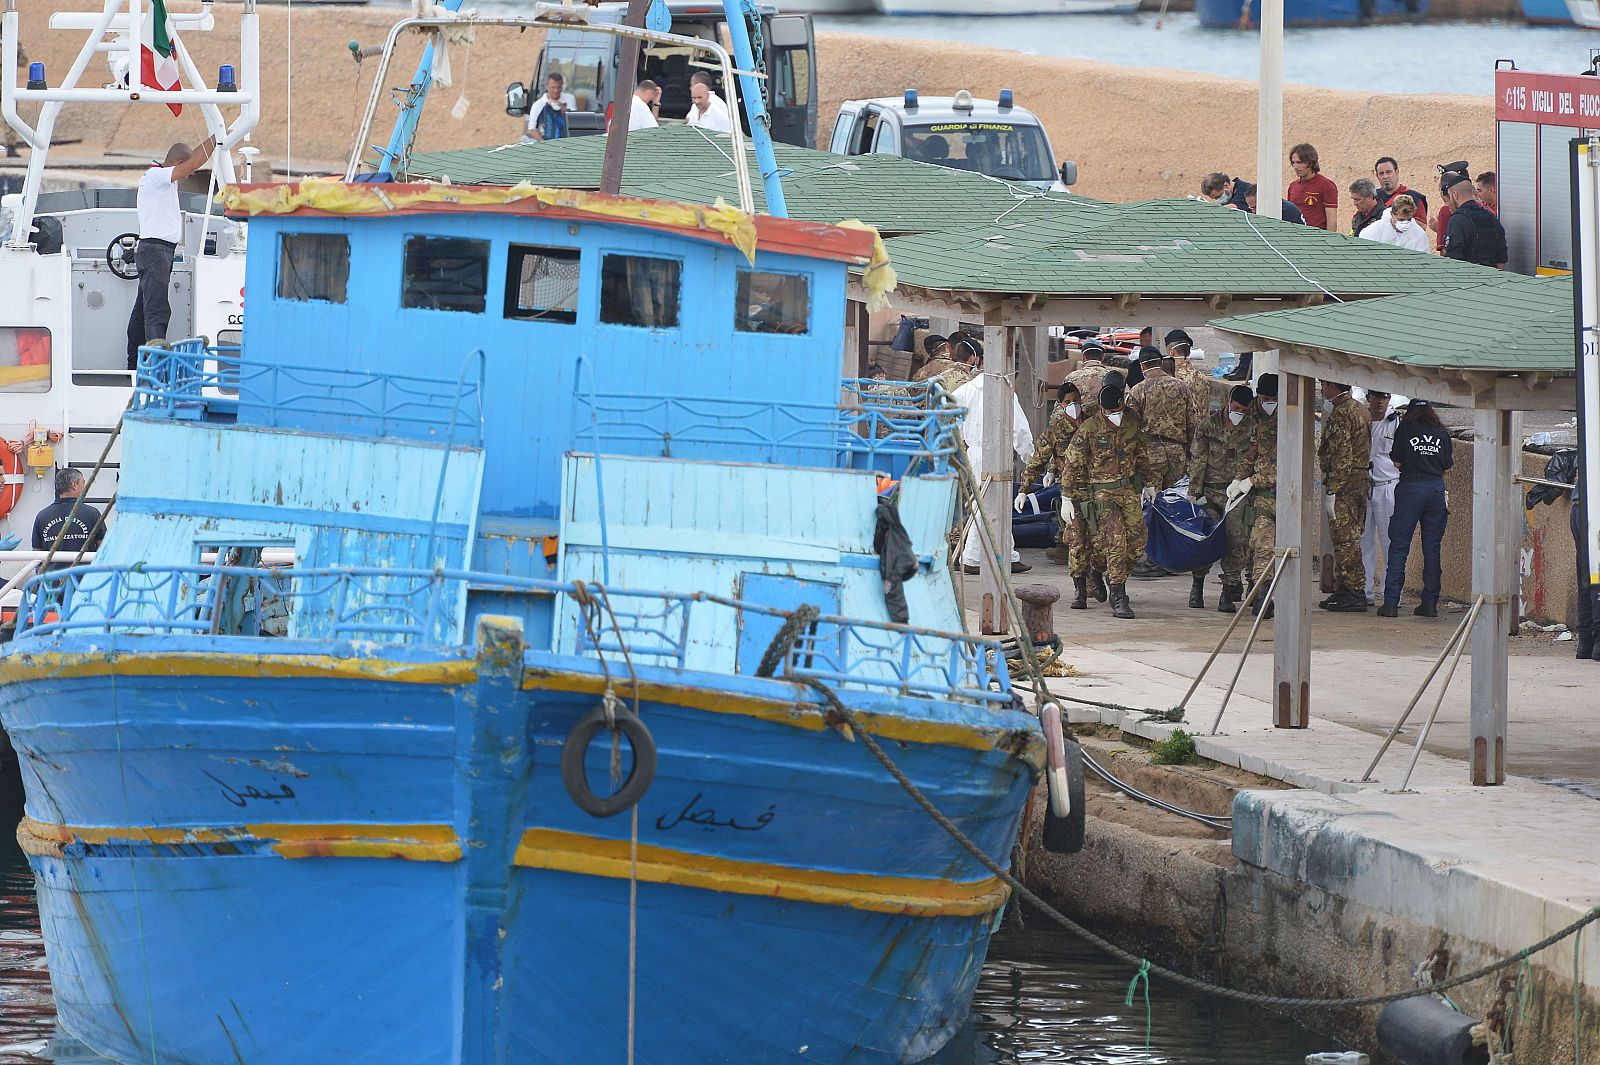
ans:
x=446 y=274
x=542 y=283
x=640 y=290
x=25 y=359
x=772 y=303
x=313 y=266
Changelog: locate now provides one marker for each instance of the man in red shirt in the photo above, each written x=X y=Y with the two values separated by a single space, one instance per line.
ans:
x=1488 y=191
x=1387 y=171
x=1316 y=196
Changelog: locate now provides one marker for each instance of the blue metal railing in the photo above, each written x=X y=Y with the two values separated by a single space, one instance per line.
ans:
x=878 y=420
x=427 y=607
x=193 y=380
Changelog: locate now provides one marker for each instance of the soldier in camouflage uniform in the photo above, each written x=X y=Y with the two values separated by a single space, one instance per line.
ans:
x=1089 y=377
x=945 y=367
x=1345 y=455
x=1257 y=482
x=1193 y=378
x=1219 y=447
x=1048 y=466
x=1106 y=464
x=1161 y=405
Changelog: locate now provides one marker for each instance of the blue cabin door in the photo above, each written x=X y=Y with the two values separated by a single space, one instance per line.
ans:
x=783 y=593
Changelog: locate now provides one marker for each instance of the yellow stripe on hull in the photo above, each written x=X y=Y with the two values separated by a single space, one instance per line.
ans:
x=1026 y=744
x=571 y=852
x=53 y=666
x=567 y=852
x=418 y=843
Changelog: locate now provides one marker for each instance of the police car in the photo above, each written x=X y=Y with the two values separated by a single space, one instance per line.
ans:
x=991 y=137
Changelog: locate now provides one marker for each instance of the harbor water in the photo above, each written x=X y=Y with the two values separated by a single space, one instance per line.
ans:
x=1043 y=998
x=1441 y=57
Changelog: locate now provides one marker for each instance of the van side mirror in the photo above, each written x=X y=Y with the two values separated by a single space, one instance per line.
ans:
x=1069 y=173
x=516 y=99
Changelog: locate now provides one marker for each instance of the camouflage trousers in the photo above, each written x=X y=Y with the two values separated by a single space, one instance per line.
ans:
x=1238 y=535
x=1083 y=553
x=1168 y=462
x=1349 y=519
x=1263 y=537
x=1117 y=522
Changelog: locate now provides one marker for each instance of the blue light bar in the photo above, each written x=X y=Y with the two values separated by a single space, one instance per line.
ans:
x=1005 y=99
x=911 y=99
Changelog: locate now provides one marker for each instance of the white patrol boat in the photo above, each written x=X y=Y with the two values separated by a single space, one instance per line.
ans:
x=66 y=255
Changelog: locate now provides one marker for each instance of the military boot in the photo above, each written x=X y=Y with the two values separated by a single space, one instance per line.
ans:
x=1057 y=554
x=1080 y=598
x=1228 y=601
x=1097 y=585
x=1119 y=602
x=1348 y=600
x=1197 y=593
x=1255 y=608
x=1585 y=643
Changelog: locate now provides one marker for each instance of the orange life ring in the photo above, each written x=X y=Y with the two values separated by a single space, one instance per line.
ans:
x=11 y=490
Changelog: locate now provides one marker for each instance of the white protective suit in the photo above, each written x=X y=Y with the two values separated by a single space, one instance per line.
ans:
x=971 y=396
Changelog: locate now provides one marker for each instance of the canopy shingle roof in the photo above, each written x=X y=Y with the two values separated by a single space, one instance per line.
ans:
x=1511 y=323
x=1166 y=247
x=680 y=163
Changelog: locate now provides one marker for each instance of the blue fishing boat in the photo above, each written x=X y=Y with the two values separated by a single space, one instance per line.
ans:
x=1246 y=14
x=480 y=667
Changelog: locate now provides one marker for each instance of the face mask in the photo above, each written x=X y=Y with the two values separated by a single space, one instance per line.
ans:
x=1072 y=410
x=1236 y=416
x=1401 y=224
x=1269 y=405
x=1114 y=417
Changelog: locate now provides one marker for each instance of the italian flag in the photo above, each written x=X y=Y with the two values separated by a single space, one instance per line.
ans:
x=157 y=67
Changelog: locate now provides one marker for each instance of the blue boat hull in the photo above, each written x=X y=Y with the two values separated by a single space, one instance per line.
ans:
x=1547 y=12
x=299 y=858
x=1245 y=14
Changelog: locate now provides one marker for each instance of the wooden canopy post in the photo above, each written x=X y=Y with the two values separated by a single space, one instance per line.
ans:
x=995 y=477
x=1496 y=456
x=1298 y=513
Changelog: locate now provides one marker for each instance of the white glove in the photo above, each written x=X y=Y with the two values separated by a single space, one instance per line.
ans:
x=1239 y=488
x=1049 y=478
x=1069 y=510
x=1020 y=503
x=1148 y=495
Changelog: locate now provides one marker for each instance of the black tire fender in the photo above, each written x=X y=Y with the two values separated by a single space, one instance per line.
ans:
x=576 y=749
x=1065 y=817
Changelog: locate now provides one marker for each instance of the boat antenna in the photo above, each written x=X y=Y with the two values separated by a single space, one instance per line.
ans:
x=749 y=51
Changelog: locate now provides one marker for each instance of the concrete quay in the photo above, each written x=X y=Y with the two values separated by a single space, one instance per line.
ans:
x=1331 y=886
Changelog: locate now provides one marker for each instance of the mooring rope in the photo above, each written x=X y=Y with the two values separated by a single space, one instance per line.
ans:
x=1283 y=1002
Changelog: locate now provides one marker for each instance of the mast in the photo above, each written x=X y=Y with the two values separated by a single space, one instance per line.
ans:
x=743 y=20
x=405 y=123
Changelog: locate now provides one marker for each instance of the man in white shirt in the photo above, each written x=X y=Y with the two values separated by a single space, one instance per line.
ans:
x=642 y=114
x=971 y=396
x=160 y=230
x=1380 y=500
x=707 y=110
x=547 y=118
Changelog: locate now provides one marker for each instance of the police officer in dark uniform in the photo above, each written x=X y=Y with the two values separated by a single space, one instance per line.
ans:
x=1475 y=234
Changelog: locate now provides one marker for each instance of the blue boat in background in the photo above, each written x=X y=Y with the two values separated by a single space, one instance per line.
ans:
x=458 y=681
x=1246 y=14
x=1547 y=12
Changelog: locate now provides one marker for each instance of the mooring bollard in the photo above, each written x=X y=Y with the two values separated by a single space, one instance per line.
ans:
x=1038 y=611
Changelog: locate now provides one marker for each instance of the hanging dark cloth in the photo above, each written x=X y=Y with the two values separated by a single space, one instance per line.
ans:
x=897 y=561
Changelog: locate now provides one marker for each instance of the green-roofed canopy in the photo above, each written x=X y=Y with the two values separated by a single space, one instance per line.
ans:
x=1174 y=261
x=1507 y=342
x=679 y=162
